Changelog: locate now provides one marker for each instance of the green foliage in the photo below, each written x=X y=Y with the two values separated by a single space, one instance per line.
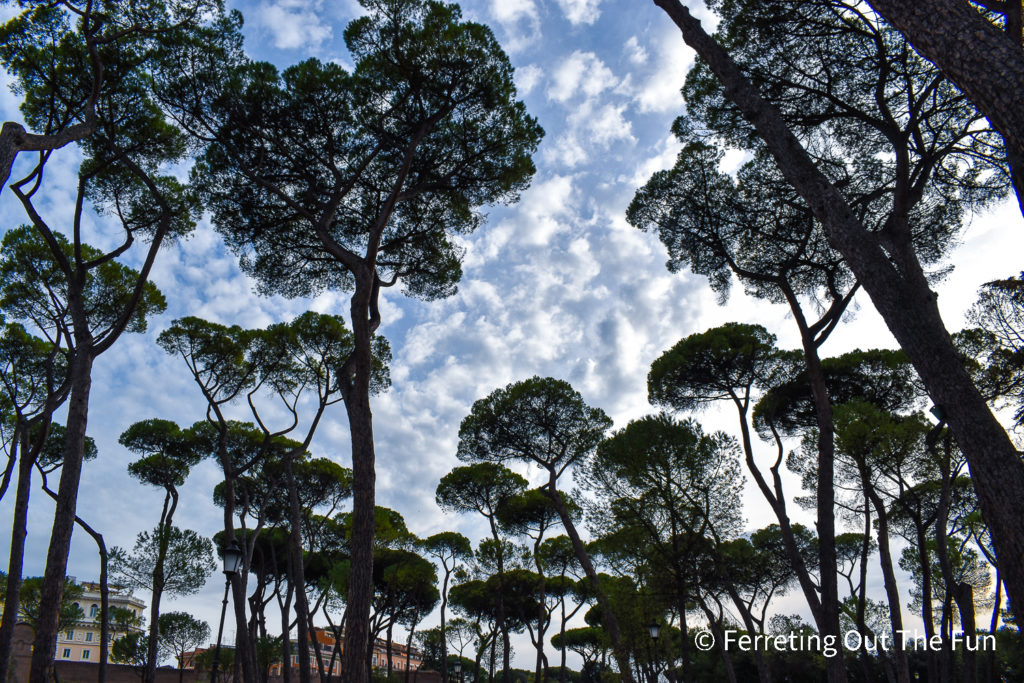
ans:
x=189 y=561
x=180 y=632
x=395 y=156
x=51 y=455
x=481 y=487
x=166 y=454
x=130 y=649
x=880 y=377
x=723 y=363
x=34 y=287
x=32 y=371
x=879 y=120
x=448 y=546
x=539 y=420
x=30 y=595
x=999 y=345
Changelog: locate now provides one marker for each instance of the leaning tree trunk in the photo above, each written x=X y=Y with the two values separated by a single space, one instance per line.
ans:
x=64 y=515
x=611 y=624
x=904 y=300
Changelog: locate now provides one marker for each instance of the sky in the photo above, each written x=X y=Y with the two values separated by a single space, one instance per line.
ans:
x=557 y=285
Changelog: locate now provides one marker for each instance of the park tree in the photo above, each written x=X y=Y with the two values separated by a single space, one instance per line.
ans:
x=999 y=343
x=542 y=421
x=738 y=363
x=84 y=74
x=396 y=159
x=187 y=562
x=297 y=365
x=31 y=601
x=532 y=514
x=166 y=458
x=668 y=483
x=449 y=548
x=882 y=254
x=484 y=487
x=180 y=632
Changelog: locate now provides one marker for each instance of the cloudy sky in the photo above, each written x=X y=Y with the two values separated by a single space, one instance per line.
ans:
x=557 y=285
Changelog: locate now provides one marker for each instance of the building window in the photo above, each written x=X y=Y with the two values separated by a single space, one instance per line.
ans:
x=71 y=635
x=67 y=653
x=88 y=636
x=94 y=610
x=85 y=654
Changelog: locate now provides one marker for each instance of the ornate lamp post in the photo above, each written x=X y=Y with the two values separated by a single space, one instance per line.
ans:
x=232 y=561
x=458 y=669
x=655 y=629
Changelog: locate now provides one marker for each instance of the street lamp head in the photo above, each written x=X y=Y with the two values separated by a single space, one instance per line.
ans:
x=458 y=667
x=654 y=628
x=232 y=559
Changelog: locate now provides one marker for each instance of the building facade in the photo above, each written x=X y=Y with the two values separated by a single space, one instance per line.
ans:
x=81 y=641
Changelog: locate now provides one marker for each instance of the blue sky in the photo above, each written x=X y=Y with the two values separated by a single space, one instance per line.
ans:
x=558 y=284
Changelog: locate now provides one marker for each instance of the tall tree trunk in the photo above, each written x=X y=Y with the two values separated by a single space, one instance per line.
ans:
x=965 y=601
x=163 y=540
x=19 y=531
x=611 y=624
x=356 y=393
x=298 y=574
x=904 y=300
x=64 y=515
x=444 y=633
x=892 y=592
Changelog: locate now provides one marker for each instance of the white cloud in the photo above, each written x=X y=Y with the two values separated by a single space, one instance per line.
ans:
x=580 y=11
x=520 y=21
x=591 y=125
x=527 y=77
x=293 y=23
x=660 y=91
x=581 y=73
x=634 y=51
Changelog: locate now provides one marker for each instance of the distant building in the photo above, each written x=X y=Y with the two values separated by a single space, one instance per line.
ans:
x=81 y=642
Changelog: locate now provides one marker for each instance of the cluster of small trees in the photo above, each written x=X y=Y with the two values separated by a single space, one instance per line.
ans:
x=863 y=162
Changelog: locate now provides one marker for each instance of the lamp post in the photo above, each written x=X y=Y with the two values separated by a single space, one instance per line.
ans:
x=654 y=628
x=232 y=561
x=458 y=669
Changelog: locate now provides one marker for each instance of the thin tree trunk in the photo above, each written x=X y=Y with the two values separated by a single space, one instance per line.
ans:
x=298 y=574
x=892 y=592
x=716 y=630
x=19 y=531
